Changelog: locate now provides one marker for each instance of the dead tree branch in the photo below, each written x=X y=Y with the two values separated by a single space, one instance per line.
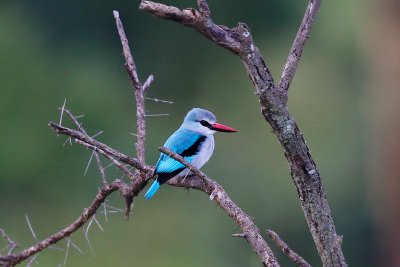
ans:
x=296 y=258
x=298 y=45
x=273 y=100
x=138 y=90
x=79 y=125
x=106 y=190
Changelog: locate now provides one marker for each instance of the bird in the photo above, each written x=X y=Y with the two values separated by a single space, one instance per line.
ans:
x=194 y=141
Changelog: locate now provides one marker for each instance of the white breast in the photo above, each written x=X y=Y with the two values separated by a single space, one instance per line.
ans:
x=204 y=154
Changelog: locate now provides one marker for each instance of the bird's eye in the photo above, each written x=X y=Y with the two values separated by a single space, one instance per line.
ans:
x=205 y=123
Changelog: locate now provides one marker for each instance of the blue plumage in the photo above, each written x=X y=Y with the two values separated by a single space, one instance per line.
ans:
x=194 y=141
x=152 y=190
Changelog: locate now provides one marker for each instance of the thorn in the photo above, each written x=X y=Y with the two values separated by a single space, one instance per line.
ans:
x=90 y=160
x=68 y=139
x=33 y=259
x=67 y=250
x=97 y=134
x=97 y=222
x=157 y=115
x=30 y=227
x=159 y=100
x=62 y=110
x=77 y=248
x=109 y=165
x=242 y=235
x=87 y=237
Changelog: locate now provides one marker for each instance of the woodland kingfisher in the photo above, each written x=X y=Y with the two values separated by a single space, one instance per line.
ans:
x=194 y=141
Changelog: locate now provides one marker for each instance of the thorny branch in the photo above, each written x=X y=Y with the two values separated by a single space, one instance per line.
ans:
x=107 y=189
x=79 y=125
x=128 y=192
x=273 y=100
x=139 y=91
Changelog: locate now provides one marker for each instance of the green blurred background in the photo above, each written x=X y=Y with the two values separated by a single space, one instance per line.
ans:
x=56 y=50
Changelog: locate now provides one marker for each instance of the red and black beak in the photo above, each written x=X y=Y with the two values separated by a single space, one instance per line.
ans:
x=221 y=128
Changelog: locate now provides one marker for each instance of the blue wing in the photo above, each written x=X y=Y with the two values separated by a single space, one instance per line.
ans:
x=184 y=142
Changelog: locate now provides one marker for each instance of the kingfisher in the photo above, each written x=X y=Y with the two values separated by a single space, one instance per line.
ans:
x=194 y=141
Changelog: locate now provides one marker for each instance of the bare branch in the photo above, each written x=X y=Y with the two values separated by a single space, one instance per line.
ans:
x=298 y=44
x=113 y=160
x=87 y=139
x=219 y=195
x=138 y=89
x=131 y=67
x=296 y=258
x=81 y=129
x=106 y=190
x=275 y=111
x=190 y=17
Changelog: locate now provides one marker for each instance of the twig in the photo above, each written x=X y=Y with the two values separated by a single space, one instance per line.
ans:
x=219 y=195
x=148 y=82
x=275 y=111
x=296 y=258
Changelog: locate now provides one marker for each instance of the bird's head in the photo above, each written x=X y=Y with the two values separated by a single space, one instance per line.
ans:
x=204 y=122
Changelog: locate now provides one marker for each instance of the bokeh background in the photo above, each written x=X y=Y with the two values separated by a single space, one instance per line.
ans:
x=344 y=98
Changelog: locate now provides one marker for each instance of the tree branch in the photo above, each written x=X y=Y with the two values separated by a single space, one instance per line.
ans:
x=107 y=189
x=296 y=258
x=219 y=195
x=81 y=129
x=91 y=141
x=138 y=89
x=298 y=44
x=275 y=111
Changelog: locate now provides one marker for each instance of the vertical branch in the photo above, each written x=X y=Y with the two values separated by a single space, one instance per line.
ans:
x=298 y=45
x=138 y=89
x=273 y=100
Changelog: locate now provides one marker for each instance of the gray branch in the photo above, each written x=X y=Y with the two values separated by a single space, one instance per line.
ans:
x=274 y=108
x=296 y=258
x=138 y=90
x=107 y=189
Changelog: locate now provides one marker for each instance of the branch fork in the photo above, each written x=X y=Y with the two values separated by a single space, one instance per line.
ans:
x=273 y=100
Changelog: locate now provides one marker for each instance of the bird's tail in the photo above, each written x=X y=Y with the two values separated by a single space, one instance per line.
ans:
x=152 y=190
